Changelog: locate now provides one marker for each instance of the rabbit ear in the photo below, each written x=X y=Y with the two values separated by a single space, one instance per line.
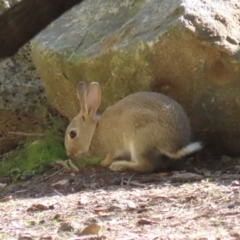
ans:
x=93 y=97
x=81 y=93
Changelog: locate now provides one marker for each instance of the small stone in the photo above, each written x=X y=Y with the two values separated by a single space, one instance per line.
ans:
x=185 y=177
x=115 y=207
x=218 y=173
x=206 y=172
x=3 y=185
x=131 y=205
x=237 y=167
x=226 y=159
x=235 y=183
x=83 y=200
x=65 y=227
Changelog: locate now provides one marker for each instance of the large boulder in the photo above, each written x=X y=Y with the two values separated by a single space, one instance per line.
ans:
x=187 y=49
x=23 y=105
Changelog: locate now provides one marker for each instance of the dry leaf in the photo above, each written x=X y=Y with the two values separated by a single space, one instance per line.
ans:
x=58 y=217
x=91 y=229
x=99 y=209
x=6 y=199
x=235 y=234
x=42 y=206
x=25 y=237
x=91 y=237
x=145 y=221
x=45 y=237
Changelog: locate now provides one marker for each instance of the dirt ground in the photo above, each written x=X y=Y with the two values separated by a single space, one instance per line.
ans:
x=200 y=202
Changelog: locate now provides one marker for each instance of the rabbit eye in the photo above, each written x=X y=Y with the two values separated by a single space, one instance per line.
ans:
x=72 y=134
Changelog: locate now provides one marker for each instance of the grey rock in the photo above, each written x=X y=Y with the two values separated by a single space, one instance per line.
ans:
x=20 y=87
x=23 y=105
x=186 y=49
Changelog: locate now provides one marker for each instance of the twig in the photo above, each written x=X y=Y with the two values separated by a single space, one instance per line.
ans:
x=27 y=134
x=127 y=182
x=135 y=184
x=58 y=192
x=122 y=181
x=52 y=175
x=34 y=135
x=130 y=178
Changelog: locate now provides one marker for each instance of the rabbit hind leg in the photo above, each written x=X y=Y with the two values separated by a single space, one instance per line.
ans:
x=139 y=163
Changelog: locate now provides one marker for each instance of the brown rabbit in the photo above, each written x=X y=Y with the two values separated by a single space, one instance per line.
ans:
x=141 y=125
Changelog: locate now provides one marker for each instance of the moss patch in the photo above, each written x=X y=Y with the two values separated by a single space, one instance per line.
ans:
x=33 y=155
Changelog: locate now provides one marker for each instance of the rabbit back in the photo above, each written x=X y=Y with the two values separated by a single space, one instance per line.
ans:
x=149 y=119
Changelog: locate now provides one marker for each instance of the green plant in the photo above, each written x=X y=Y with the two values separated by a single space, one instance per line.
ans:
x=33 y=155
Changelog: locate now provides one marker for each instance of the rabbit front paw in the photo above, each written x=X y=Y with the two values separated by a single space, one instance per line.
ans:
x=119 y=166
x=107 y=161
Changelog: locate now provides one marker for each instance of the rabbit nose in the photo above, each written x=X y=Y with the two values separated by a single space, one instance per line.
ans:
x=73 y=154
x=70 y=155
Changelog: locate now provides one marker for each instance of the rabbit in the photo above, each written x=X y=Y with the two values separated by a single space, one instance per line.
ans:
x=141 y=126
